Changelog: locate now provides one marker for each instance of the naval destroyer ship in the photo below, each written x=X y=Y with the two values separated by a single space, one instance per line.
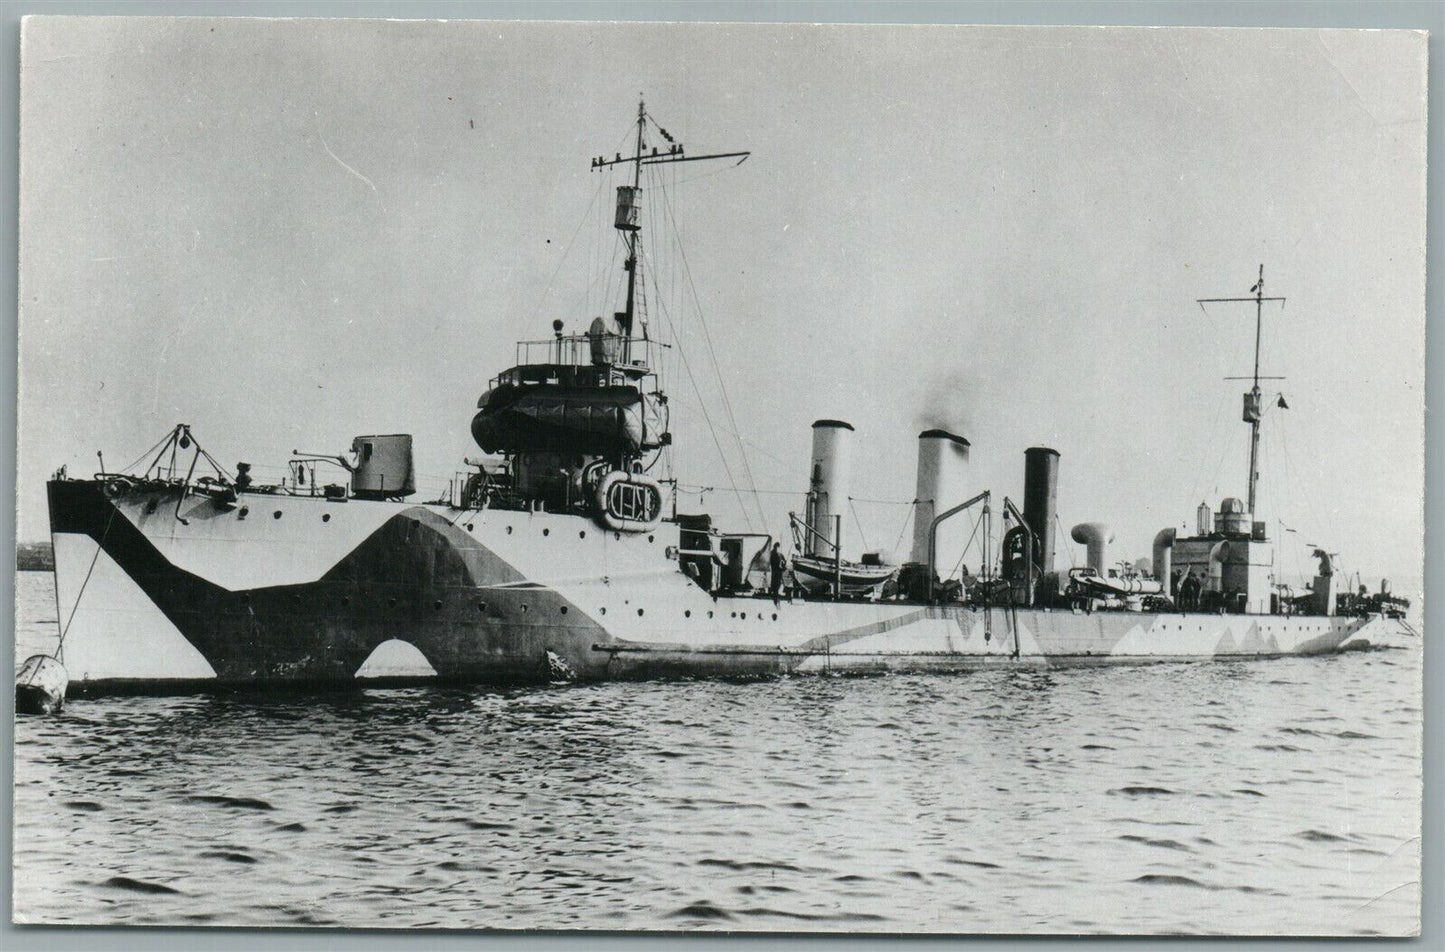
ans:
x=562 y=553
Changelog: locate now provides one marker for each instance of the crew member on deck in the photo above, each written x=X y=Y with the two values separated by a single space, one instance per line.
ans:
x=778 y=562
x=1189 y=591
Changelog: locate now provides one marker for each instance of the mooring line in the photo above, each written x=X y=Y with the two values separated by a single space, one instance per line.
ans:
x=99 y=546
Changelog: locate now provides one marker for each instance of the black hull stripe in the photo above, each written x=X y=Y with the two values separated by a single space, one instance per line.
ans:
x=416 y=577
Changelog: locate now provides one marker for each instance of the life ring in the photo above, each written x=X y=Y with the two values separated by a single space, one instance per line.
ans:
x=629 y=502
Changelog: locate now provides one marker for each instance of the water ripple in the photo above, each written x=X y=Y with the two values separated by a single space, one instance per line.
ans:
x=1277 y=796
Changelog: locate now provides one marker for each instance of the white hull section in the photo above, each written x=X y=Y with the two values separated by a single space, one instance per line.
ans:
x=115 y=632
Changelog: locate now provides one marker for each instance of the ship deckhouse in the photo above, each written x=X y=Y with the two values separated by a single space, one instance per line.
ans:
x=1228 y=564
x=569 y=412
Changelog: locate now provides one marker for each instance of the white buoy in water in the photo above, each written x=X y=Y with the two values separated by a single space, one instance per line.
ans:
x=40 y=685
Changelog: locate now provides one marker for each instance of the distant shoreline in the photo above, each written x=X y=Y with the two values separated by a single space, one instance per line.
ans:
x=34 y=557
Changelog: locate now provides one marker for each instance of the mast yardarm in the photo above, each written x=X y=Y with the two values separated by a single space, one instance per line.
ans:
x=629 y=200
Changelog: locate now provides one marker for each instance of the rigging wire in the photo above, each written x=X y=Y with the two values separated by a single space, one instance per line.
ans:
x=1218 y=468
x=907 y=517
x=738 y=436
x=1309 y=505
x=796 y=492
x=702 y=175
x=977 y=521
x=712 y=351
x=1204 y=447
x=99 y=547
x=141 y=458
x=713 y=426
x=702 y=404
x=764 y=492
x=1304 y=553
x=595 y=273
x=857 y=522
x=1291 y=561
x=1068 y=541
x=707 y=418
x=586 y=217
x=661 y=131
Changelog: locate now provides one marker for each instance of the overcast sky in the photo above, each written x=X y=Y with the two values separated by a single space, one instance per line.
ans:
x=286 y=233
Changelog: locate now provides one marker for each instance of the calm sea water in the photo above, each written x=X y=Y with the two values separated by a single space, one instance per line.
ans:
x=1262 y=797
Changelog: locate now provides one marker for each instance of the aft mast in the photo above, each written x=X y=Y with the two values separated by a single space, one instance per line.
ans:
x=1252 y=404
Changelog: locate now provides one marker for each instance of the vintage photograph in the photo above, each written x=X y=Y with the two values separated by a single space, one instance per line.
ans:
x=720 y=477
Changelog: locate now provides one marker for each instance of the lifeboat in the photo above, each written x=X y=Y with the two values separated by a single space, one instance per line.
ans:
x=40 y=686
x=817 y=575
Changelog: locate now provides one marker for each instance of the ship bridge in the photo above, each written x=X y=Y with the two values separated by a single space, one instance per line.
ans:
x=596 y=358
x=580 y=394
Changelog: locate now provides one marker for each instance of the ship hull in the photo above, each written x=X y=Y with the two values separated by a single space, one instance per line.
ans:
x=163 y=591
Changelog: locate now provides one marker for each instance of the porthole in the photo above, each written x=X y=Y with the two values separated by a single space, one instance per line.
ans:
x=482 y=607
x=743 y=616
x=509 y=530
x=775 y=616
x=563 y=609
x=391 y=602
x=469 y=527
x=603 y=609
x=650 y=538
x=709 y=614
x=687 y=614
x=582 y=534
x=546 y=532
x=437 y=604
x=243 y=512
x=276 y=514
x=326 y=517
x=345 y=601
x=617 y=536
x=732 y=614
x=524 y=609
x=639 y=613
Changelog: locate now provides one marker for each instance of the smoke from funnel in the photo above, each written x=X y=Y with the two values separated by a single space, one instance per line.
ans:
x=942 y=484
x=948 y=397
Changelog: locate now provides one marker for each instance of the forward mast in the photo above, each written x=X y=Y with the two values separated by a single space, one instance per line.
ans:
x=629 y=202
x=582 y=418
